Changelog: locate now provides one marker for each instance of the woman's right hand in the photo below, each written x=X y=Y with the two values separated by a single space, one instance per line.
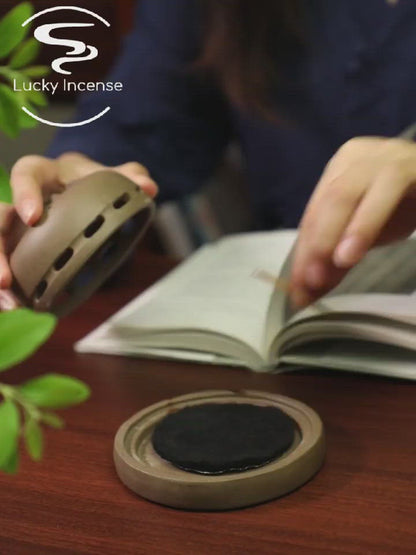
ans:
x=34 y=179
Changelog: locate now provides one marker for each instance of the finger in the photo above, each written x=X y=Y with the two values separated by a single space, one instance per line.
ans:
x=8 y=301
x=306 y=295
x=74 y=165
x=5 y=272
x=325 y=220
x=372 y=215
x=401 y=224
x=140 y=175
x=300 y=298
x=30 y=177
x=133 y=169
x=359 y=150
x=6 y=215
x=331 y=211
x=323 y=224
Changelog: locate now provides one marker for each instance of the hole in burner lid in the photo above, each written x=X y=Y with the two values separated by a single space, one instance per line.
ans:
x=94 y=227
x=121 y=201
x=40 y=289
x=63 y=259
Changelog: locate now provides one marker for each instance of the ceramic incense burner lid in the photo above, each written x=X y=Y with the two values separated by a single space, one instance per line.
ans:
x=85 y=234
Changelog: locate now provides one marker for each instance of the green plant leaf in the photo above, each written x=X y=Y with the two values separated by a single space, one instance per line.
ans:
x=35 y=72
x=26 y=53
x=9 y=111
x=11 y=31
x=18 y=80
x=26 y=121
x=37 y=98
x=9 y=432
x=5 y=189
x=15 y=78
x=55 y=391
x=33 y=439
x=22 y=332
x=8 y=73
x=53 y=420
x=12 y=465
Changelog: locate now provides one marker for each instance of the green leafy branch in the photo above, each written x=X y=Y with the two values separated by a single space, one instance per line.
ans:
x=26 y=408
x=18 y=53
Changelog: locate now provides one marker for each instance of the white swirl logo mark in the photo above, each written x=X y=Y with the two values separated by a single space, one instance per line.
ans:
x=43 y=34
x=79 y=52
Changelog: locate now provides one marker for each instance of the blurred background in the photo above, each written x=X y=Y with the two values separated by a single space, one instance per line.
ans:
x=180 y=227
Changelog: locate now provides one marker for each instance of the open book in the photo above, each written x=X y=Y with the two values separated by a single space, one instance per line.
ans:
x=212 y=309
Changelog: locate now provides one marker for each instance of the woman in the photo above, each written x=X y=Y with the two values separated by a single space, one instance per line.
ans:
x=297 y=83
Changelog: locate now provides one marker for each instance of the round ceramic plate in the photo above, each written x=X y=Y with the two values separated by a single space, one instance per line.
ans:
x=144 y=472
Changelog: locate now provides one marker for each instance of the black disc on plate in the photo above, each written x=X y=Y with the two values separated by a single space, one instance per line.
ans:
x=223 y=438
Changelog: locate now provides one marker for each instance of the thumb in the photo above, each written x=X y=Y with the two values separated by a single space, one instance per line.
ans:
x=6 y=217
x=8 y=301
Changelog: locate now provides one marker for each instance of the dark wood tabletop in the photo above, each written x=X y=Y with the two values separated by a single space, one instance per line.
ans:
x=362 y=502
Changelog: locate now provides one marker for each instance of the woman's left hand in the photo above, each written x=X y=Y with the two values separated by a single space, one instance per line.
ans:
x=366 y=197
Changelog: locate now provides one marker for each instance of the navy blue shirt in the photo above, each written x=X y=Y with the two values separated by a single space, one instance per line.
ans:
x=357 y=76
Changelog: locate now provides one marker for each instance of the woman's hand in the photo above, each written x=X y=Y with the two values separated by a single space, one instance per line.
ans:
x=33 y=179
x=366 y=197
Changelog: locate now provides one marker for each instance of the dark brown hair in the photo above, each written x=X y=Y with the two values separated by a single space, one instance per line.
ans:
x=244 y=40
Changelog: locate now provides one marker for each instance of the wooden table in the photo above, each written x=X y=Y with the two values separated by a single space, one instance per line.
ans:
x=362 y=502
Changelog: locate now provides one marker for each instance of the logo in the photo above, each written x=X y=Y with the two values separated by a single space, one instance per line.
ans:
x=76 y=51
x=43 y=34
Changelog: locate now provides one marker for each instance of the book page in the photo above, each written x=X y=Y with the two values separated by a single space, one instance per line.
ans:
x=400 y=308
x=390 y=269
x=383 y=285
x=214 y=291
x=357 y=356
x=280 y=309
x=378 y=326
x=384 y=271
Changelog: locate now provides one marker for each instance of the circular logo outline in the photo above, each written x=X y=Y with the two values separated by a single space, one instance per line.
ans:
x=55 y=9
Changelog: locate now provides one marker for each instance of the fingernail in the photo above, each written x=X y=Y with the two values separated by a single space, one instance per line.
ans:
x=4 y=281
x=28 y=211
x=146 y=182
x=315 y=275
x=348 y=252
x=7 y=301
x=299 y=298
